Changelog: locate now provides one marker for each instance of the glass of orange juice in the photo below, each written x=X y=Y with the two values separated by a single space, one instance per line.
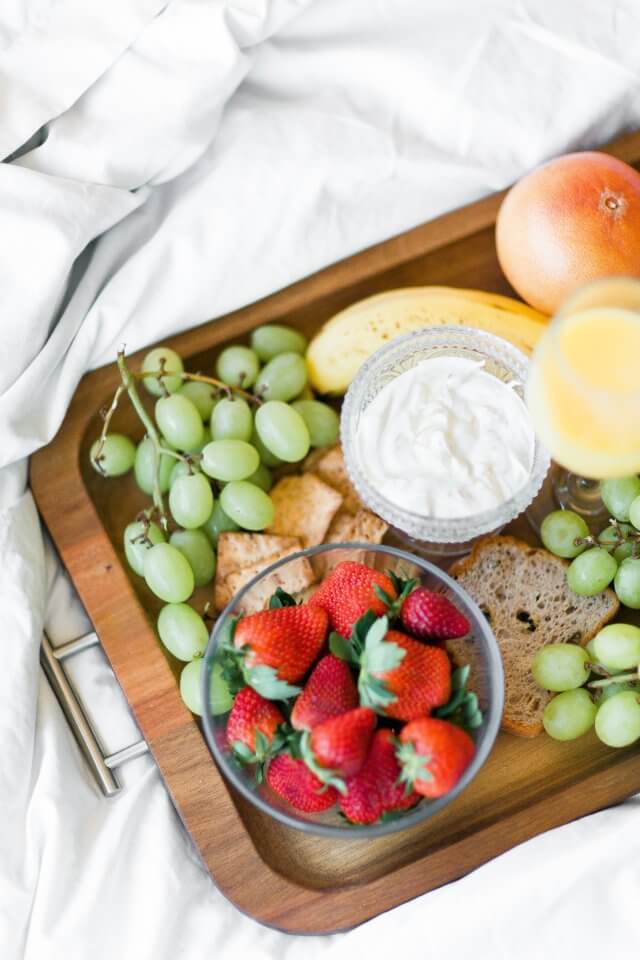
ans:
x=583 y=391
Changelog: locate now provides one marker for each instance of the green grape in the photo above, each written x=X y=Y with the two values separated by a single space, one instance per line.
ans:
x=265 y=455
x=609 y=536
x=206 y=438
x=282 y=378
x=248 y=505
x=191 y=500
x=282 y=431
x=560 y=666
x=218 y=523
x=229 y=460
x=238 y=367
x=569 y=715
x=618 y=719
x=560 y=529
x=634 y=513
x=232 y=420
x=179 y=422
x=116 y=457
x=134 y=548
x=172 y=364
x=221 y=698
x=262 y=478
x=618 y=495
x=272 y=339
x=627 y=583
x=181 y=469
x=617 y=647
x=220 y=701
x=168 y=574
x=182 y=631
x=195 y=547
x=191 y=686
x=622 y=552
x=143 y=467
x=591 y=572
x=612 y=689
x=323 y=423
x=203 y=396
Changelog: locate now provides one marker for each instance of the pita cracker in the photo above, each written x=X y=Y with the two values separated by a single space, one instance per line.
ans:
x=305 y=506
x=236 y=550
x=293 y=578
x=331 y=468
x=254 y=551
x=365 y=527
x=315 y=457
x=303 y=596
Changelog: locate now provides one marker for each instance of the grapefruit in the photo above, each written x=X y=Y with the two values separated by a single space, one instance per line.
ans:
x=573 y=220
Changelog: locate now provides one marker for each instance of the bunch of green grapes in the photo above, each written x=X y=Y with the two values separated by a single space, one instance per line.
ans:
x=595 y=686
x=217 y=442
x=613 y=557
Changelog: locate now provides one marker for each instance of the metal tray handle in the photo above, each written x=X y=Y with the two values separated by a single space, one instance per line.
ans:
x=101 y=765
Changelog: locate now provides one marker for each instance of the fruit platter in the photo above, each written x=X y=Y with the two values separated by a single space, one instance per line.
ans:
x=361 y=675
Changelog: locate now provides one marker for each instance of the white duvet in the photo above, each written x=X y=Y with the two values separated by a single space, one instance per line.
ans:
x=167 y=162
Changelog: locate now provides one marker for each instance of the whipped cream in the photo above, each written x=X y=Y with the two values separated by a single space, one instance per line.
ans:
x=446 y=439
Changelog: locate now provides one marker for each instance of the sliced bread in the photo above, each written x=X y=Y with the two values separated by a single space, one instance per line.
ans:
x=523 y=593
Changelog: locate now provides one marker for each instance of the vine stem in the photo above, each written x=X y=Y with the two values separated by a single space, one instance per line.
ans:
x=199 y=378
x=105 y=427
x=129 y=384
x=621 y=678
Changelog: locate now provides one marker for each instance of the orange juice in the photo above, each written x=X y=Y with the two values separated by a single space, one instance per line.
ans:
x=583 y=391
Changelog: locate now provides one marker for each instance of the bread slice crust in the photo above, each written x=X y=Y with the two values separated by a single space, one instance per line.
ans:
x=523 y=593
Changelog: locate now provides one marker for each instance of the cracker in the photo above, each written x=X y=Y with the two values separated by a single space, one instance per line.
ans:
x=331 y=468
x=305 y=506
x=240 y=551
x=368 y=527
x=365 y=527
x=237 y=550
x=314 y=457
x=303 y=596
x=295 y=577
x=339 y=527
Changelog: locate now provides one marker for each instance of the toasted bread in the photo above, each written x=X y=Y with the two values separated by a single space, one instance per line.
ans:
x=524 y=595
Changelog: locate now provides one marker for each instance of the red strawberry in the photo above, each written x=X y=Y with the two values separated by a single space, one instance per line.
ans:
x=376 y=789
x=252 y=726
x=329 y=691
x=337 y=748
x=279 y=647
x=432 y=616
x=401 y=677
x=433 y=755
x=349 y=591
x=293 y=780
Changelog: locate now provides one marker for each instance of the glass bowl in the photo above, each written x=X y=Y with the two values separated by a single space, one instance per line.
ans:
x=503 y=361
x=479 y=649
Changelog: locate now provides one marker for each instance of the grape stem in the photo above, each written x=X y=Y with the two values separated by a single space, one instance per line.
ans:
x=622 y=538
x=199 y=378
x=97 y=457
x=620 y=678
x=129 y=384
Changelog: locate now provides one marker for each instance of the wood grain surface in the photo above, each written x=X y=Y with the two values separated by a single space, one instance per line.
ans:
x=280 y=876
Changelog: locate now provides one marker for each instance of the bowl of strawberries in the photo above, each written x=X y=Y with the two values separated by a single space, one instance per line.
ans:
x=368 y=703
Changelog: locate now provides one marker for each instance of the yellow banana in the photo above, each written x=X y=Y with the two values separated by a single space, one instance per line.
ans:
x=346 y=340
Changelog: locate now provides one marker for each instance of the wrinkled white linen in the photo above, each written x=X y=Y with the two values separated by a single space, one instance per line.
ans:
x=216 y=151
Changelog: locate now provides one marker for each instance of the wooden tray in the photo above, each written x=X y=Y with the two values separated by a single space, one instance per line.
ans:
x=279 y=876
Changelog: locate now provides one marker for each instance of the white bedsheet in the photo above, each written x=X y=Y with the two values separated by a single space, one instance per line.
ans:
x=219 y=150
